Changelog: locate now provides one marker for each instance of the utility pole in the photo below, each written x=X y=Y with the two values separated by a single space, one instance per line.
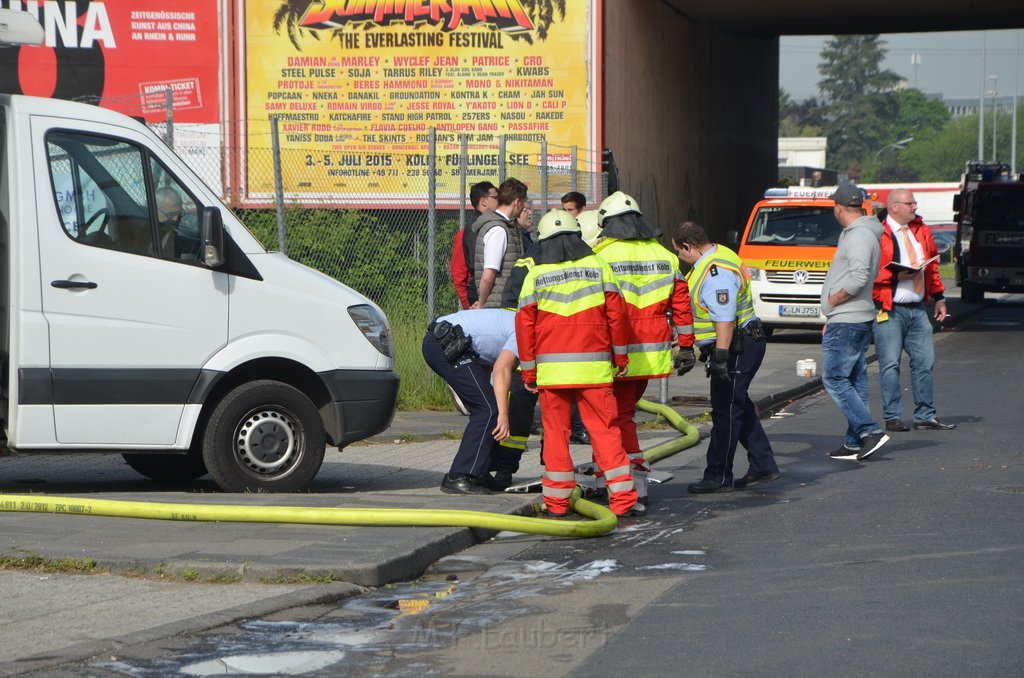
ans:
x=994 y=92
x=981 y=103
x=915 y=61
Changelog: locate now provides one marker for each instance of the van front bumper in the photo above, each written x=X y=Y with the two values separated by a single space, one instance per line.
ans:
x=362 y=403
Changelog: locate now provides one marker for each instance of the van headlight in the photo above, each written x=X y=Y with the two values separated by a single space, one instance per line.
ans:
x=374 y=327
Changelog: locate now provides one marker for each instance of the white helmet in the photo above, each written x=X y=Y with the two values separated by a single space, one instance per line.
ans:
x=555 y=222
x=617 y=203
x=590 y=226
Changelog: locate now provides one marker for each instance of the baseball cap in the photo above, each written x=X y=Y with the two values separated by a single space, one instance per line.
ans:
x=849 y=195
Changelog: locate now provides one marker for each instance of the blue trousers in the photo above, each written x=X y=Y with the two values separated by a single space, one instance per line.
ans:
x=907 y=329
x=845 y=376
x=734 y=419
x=473 y=384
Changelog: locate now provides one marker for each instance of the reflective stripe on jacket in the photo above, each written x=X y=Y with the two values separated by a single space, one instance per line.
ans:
x=723 y=257
x=657 y=300
x=572 y=326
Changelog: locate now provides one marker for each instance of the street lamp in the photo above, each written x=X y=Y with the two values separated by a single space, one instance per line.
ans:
x=993 y=92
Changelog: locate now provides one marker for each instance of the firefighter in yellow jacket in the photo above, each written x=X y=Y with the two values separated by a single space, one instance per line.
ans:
x=572 y=330
x=658 y=304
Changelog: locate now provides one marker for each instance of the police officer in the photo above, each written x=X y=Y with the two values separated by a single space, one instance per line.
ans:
x=462 y=348
x=732 y=344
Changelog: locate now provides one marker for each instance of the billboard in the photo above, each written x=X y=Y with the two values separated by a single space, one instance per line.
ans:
x=356 y=87
x=126 y=55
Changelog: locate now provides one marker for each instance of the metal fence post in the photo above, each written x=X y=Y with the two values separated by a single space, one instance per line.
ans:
x=282 y=238
x=573 y=170
x=501 y=159
x=463 y=171
x=431 y=223
x=169 y=106
x=544 y=174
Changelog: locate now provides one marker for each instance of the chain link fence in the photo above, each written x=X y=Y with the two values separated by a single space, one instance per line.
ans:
x=382 y=219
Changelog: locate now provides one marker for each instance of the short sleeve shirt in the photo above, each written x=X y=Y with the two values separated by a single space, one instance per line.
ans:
x=492 y=330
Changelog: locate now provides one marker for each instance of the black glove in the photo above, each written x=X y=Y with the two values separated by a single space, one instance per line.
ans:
x=718 y=366
x=685 y=360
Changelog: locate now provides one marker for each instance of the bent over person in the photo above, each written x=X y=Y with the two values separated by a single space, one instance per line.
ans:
x=732 y=344
x=572 y=331
x=462 y=348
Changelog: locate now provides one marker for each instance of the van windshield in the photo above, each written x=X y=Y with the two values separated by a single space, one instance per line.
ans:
x=795 y=225
x=1001 y=208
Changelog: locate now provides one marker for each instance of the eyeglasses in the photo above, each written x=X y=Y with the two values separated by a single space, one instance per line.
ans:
x=902 y=202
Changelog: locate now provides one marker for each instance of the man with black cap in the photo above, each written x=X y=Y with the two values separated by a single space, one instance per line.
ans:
x=850 y=313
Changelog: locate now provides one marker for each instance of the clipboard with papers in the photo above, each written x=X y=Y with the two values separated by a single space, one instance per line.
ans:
x=900 y=267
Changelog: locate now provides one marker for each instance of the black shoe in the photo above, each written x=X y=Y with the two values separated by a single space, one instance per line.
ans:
x=844 y=453
x=933 y=424
x=499 y=481
x=580 y=437
x=870 y=444
x=755 y=479
x=896 y=425
x=708 y=486
x=462 y=485
x=637 y=510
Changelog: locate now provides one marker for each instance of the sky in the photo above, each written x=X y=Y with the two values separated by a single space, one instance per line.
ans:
x=949 y=63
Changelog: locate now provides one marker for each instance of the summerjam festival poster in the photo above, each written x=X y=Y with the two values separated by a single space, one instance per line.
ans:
x=357 y=84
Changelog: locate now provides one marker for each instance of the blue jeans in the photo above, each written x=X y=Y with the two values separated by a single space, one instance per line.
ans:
x=845 y=376
x=907 y=329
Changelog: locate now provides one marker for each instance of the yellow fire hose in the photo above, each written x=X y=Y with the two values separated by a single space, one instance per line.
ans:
x=602 y=520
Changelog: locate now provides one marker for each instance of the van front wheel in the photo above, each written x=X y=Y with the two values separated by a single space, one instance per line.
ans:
x=264 y=436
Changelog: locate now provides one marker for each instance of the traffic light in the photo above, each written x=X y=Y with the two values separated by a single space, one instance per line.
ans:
x=608 y=168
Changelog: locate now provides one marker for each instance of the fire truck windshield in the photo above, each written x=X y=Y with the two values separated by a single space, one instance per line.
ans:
x=1000 y=208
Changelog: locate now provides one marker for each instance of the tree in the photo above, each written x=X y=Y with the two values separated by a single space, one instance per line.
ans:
x=799 y=118
x=859 y=98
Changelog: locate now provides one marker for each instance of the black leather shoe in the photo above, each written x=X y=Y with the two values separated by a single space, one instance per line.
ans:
x=933 y=424
x=462 y=485
x=754 y=479
x=580 y=437
x=708 y=486
x=896 y=425
x=498 y=482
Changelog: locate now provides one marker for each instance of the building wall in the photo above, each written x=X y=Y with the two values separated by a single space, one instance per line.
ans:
x=691 y=114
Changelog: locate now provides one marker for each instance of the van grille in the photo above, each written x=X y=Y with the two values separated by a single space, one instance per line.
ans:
x=813 y=277
x=790 y=298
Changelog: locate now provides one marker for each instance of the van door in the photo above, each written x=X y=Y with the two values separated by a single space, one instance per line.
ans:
x=132 y=315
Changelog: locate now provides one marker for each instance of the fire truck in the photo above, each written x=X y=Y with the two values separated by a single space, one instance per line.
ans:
x=989 y=248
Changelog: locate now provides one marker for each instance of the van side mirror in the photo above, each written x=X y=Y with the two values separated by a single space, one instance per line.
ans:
x=213 y=237
x=19 y=28
x=956 y=202
x=733 y=238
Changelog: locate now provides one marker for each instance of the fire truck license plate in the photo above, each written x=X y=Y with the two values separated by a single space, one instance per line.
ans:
x=789 y=311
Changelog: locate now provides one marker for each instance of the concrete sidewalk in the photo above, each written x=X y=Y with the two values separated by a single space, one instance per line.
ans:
x=277 y=565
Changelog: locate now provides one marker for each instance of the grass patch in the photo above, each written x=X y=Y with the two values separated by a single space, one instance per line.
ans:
x=190 y=574
x=451 y=435
x=225 y=579
x=34 y=563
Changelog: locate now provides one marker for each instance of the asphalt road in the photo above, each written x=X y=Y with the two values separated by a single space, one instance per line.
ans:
x=908 y=564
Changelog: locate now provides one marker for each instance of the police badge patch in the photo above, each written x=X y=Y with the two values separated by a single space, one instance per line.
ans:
x=722 y=296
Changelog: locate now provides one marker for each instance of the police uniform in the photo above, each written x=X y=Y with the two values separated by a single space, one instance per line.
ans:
x=490 y=331
x=720 y=292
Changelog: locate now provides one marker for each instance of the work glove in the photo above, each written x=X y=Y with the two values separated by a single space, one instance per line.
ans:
x=718 y=366
x=684 y=360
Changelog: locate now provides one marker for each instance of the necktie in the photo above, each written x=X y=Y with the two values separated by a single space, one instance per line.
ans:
x=914 y=260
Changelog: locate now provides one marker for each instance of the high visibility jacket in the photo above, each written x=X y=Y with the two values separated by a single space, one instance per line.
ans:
x=571 y=326
x=723 y=257
x=657 y=300
x=885 y=282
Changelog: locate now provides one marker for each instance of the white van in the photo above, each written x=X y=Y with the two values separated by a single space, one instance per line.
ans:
x=165 y=331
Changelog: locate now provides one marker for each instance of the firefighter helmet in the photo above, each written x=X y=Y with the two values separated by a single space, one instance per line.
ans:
x=590 y=226
x=617 y=203
x=555 y=222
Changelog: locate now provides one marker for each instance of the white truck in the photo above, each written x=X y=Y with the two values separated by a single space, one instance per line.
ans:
x=138 y=316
